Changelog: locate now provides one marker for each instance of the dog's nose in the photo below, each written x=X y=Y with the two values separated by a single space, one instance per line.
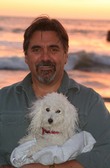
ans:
x=50 y=120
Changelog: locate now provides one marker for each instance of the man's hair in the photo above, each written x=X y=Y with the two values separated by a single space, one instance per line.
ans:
x=44 y=23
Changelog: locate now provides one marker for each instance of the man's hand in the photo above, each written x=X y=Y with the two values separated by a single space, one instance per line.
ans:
x=69 y=164
x=6 y=166
x=34 y=165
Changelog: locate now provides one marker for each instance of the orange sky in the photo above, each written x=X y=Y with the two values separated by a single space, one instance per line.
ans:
x=82 y=9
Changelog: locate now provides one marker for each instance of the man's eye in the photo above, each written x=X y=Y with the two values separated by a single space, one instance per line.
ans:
x=47 y=109
x=36 y=50
x=54 y=49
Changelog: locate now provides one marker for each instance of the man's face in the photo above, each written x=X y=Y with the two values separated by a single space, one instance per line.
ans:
x=46 y=57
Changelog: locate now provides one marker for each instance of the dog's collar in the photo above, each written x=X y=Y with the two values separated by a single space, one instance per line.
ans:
x=49 y=132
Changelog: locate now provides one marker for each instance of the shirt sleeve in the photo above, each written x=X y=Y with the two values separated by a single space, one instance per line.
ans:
x=98 y=124
x=2 y=161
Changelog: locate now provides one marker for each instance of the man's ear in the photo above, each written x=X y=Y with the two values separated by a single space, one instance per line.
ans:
x=66 y=57
x=26 y=59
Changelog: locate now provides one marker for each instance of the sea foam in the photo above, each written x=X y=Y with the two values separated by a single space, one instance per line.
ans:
x=80 y=61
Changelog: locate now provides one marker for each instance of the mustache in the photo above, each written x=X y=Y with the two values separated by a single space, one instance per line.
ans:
x=46 y=63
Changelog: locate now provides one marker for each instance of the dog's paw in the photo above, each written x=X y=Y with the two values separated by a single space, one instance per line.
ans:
x=30 y=154
x=33 y=149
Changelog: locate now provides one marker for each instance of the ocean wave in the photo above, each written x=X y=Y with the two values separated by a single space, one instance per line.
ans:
x=88 y=62
x=13 y=63
x=1 y=29
x=17 y=30
x=13 y=30
x=76 y=31
x=86 y=31
x=82 y=60
x=11 y=43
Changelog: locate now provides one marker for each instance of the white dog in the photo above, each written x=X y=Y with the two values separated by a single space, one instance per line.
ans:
x=54 y=121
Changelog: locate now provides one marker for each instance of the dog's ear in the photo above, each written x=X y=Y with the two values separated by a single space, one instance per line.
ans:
x=36 y=117
x=70 y=119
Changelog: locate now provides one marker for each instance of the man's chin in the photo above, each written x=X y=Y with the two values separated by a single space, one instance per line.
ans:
x=46 y=79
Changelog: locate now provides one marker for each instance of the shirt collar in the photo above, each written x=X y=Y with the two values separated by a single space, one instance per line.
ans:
x=26 y=86
x=66 y=85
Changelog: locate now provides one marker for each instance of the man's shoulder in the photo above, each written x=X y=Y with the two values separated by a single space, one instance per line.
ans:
x=80 y=86
x=84 y=92
x=16 y=85
x=7 y=89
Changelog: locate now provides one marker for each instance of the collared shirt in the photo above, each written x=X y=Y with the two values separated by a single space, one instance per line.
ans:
x=15 y=103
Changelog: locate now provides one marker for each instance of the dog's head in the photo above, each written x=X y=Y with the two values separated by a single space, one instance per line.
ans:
x=55 y=113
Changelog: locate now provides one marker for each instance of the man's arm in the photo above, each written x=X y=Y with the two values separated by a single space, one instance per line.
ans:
x=69 y=164
x=5 y=166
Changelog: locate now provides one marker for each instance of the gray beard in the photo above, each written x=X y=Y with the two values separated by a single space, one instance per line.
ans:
x=46 y=80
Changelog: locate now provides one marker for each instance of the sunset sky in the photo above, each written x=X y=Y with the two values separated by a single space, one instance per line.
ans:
x=79 y=9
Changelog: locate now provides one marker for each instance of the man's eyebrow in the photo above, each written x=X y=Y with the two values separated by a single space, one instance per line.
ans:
x=35 y=46
x=38 y=46
x=54 y=45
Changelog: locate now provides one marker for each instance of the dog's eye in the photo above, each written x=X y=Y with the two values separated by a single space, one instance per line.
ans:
x=47 y=109
x=58 y=111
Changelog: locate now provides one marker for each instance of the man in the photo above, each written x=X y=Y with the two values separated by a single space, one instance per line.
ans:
x=46 y=52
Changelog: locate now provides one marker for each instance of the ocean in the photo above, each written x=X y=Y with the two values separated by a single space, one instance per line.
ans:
x=89 y=52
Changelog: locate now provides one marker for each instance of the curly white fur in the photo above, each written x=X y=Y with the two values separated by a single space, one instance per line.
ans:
x=54 y=120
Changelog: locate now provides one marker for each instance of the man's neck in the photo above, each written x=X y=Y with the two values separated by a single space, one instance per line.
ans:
x=41 y=89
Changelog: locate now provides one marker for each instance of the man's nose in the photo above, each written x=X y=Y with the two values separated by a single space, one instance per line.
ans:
x=45 y=54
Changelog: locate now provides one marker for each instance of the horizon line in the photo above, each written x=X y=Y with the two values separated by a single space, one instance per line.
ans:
x=66 y=18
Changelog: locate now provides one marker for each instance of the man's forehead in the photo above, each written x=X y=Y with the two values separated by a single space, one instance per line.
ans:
x=45 y=35
x=41 y=38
